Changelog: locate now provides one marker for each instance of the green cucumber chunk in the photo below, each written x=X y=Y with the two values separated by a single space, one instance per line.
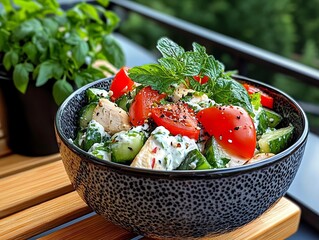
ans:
x=194 y=160
x=215 y=155
x=86 y=114
x=276 y=141
x=94 y=94
x=94 y=134
x=124 y=102
x=273 y=118
x=101 y=151
x=126 y=145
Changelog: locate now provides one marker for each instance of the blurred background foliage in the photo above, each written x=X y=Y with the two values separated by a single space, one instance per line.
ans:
x=286 y=27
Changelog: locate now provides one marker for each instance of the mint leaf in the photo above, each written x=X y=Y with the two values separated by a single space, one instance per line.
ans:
x=168 y=48
x=154 y=75
x=171 y=64
x=231 y=92
x=113 y=51
x=255 y=100
x=213 y=68
x=47 y=70
x=199 y=49
x=192 y=63
x=21 y=76
x=104 y=3
x=61 y=90
x=10 y=59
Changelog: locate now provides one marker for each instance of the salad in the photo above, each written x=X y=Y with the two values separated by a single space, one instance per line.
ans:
x=183 y=113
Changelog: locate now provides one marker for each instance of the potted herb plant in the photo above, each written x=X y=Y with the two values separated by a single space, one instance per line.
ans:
x=45 y=53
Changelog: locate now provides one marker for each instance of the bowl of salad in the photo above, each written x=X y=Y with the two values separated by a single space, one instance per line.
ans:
x=180 y=148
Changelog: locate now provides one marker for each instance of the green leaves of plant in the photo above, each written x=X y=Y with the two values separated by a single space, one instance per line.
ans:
x=30 y=50
x=10 y=59
x=79 y=52
x=40 y=38
x=113 y=51
x=61 y=90
x=26 y=29
x=49 y=69
x=21 y=76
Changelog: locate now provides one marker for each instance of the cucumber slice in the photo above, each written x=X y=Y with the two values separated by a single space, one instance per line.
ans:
x=94 y=94
x=94 y=134
x=86 y=114
x=273 y=118
x=126 y=145
x=194 y=160
x=276 y=140
x=124 y=102
x=101 y=151
x=215 y=155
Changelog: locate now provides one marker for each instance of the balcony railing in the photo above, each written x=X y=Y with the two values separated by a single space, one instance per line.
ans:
x=243 y=52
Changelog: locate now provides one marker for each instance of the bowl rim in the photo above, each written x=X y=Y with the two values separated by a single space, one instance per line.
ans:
x=211 y=173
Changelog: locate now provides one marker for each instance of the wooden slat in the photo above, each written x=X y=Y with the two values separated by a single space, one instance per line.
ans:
x=42 y=217
x=279 y=222
x=15 y=163
x=32 y=187
x=95 y=227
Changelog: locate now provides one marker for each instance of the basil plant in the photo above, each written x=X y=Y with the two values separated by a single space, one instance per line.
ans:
x=40 y=42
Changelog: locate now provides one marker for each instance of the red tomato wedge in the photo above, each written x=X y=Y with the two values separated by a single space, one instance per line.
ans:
x=232 y=128
x=266 y=100
x=140 y=109
x=121 y=84
x=177 y=118
x=201 y=80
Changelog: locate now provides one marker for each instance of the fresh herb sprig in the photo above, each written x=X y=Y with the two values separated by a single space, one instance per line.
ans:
x=179 y=66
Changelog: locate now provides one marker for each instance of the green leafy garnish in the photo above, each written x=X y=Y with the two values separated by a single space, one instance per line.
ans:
x=179 y=66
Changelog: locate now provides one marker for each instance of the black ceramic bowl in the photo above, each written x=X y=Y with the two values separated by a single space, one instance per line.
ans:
x=180 y=204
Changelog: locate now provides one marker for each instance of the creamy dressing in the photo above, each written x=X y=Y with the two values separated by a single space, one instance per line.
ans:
x=170 y=150
x=199 y=102
x=97 y=127
x=100 y=151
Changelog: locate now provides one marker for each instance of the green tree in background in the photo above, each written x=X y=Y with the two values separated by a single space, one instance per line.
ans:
x=286 y=27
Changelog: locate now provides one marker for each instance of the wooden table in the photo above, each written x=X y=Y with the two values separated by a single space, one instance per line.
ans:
x=36 y=196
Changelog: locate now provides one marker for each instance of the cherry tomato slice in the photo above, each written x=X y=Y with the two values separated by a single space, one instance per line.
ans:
x=121 y=84
x=232 y=128
x=265 y=100
x=177 y=118
x=140 y=109
x=201 y=80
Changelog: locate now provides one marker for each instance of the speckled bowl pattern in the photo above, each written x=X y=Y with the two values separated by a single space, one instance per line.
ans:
x=180 y=204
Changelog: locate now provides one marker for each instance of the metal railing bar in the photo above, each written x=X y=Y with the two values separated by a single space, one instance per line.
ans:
x=238 y=48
